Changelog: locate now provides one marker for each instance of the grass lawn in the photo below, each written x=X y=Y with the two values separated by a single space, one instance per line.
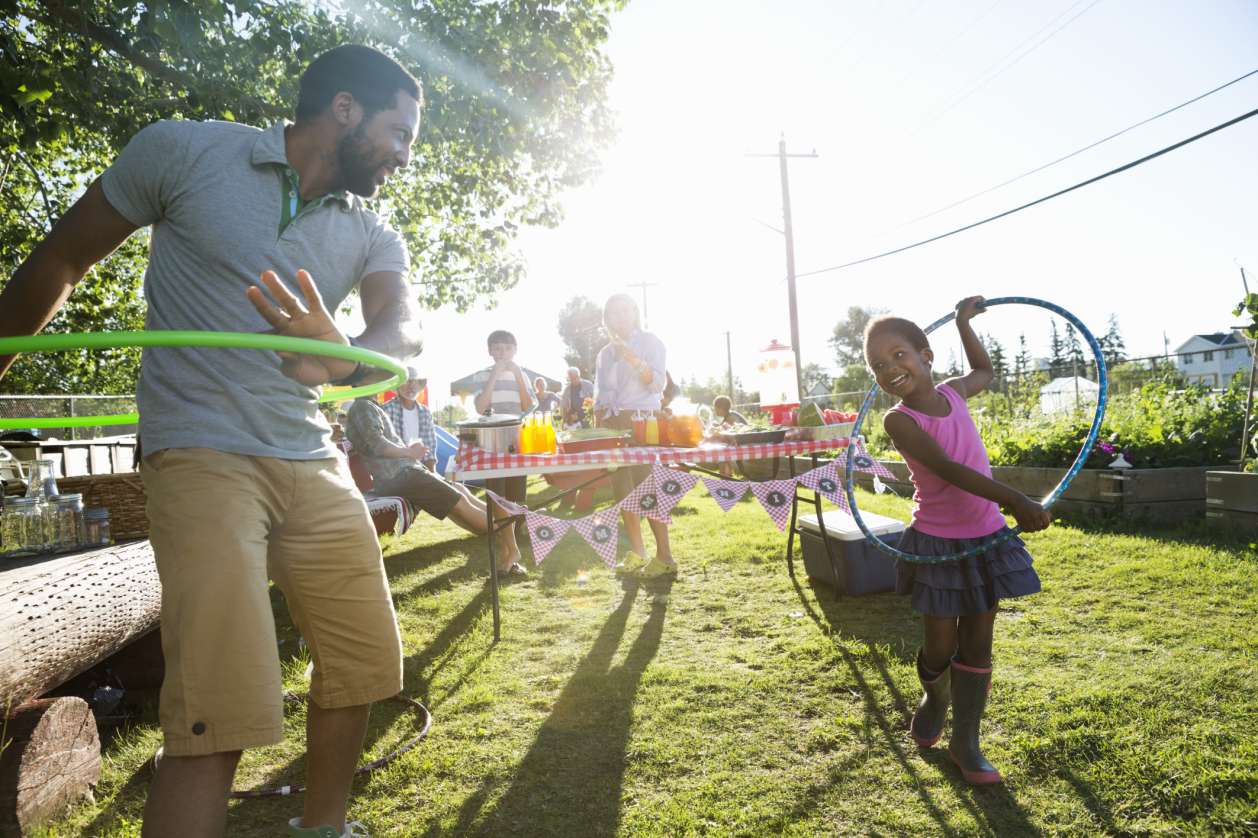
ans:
x=739 y=701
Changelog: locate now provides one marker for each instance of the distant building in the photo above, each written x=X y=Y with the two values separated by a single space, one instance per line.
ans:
x=1062 y=395
x=1212 y=360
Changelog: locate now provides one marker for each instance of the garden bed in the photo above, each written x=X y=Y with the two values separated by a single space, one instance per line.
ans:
x=1163 y=495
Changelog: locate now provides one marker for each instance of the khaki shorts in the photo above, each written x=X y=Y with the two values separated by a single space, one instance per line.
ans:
x=221 y=525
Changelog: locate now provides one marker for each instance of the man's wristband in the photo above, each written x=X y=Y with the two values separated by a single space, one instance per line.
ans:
x=356 y=375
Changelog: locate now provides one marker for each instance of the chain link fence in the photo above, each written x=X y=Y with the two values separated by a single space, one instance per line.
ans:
x=55 y=407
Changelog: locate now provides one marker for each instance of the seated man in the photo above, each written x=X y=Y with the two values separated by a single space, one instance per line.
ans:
x=397 y=470
x=574 y=396
x=412 y=421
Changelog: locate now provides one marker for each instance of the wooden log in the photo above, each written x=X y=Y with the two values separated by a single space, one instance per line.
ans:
x=60 y=615
x=51 y=759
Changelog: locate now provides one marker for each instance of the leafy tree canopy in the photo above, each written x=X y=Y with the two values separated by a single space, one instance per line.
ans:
x=581 y=327
x=515 y=113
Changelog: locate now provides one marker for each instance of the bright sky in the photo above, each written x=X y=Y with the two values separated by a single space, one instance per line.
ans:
x=699 y=84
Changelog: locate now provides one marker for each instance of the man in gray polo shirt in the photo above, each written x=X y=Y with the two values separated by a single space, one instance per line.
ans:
x=242 y=481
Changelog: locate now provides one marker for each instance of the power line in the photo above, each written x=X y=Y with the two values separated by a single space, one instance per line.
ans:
x=1088 y=147
x=985 y=80
x=1029 y=204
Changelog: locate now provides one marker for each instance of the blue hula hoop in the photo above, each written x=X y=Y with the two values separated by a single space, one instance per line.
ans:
x=1050 y=499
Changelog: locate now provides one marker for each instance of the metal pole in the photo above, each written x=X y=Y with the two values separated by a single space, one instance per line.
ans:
x=1249 y=398
x=729 y=369
x=790 y=264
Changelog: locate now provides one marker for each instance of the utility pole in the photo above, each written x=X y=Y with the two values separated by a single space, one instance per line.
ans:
x=789 y=234
x=729 y=370
x=643 y=286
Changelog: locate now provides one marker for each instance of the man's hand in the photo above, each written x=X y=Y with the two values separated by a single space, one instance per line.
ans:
x=969 y=308
x=297 y=320
x=418 y=450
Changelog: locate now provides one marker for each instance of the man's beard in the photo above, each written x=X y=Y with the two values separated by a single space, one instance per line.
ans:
x=358 y=170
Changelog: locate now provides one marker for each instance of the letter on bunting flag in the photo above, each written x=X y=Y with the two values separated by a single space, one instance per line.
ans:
x=671 y=486
x=775 y=496
x=862 y=461
x=726 y=493
x=824 y=480
x=544 y=533
x=644 y=500
x=600 y=532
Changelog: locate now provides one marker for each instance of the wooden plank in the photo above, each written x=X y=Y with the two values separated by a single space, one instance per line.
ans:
x=60 y=615
x=76 y=462
x=1165 y=484
x=101 y=462
x=1245 y=521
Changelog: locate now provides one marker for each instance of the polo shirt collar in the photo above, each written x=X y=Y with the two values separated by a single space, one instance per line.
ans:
x=269 y=149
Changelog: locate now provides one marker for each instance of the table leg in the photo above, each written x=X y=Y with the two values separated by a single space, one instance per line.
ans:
x=493 y=564
x=825 y=540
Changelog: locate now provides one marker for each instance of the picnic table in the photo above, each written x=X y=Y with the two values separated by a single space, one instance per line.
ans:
x=472 y=463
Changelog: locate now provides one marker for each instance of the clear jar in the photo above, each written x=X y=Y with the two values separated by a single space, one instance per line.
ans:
x=42 y=480
x=22 y=530
x=96 y=527
x=65 y=517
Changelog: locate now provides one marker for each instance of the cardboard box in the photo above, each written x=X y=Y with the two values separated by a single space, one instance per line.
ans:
x=861 y=567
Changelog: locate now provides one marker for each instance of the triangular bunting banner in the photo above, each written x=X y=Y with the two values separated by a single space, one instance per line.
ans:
x=825 y=481
x=862 y=461
x=544 y=533
x=600 y=532
x=644 y=500
x=775 y=496
x=726 y=493
x=671 y=486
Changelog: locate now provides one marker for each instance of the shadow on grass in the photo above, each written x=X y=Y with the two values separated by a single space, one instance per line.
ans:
x=439 y=653
x=569 y=782
x=994 y=805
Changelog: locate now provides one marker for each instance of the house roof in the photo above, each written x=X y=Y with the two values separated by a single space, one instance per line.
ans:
x=1216 y=339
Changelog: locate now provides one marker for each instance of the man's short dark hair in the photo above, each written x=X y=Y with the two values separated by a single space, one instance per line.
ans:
x=371 y=77
x=501 y=336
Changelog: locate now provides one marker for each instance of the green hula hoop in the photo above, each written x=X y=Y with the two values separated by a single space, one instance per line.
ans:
x=224 y=340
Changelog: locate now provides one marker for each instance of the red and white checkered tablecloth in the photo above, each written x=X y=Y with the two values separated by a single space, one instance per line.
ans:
x=472 y=460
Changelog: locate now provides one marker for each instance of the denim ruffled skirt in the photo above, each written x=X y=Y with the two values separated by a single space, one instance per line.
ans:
x=964 y=587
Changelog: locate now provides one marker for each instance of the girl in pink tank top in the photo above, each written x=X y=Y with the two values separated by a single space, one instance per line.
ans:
x=958 y=507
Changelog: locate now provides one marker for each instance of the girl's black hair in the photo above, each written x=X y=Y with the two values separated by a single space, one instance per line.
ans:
x=906 y=329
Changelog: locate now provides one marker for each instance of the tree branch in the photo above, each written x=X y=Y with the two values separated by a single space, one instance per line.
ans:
x=64 y=16
x=39 y=181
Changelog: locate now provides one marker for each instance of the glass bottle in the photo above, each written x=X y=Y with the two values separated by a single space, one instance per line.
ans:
x=42 y=482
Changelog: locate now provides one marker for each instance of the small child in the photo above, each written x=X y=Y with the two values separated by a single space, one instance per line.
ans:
x=958 y=506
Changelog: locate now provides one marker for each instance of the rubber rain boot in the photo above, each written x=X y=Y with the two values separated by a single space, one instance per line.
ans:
x=932 y=711
x=969 y=700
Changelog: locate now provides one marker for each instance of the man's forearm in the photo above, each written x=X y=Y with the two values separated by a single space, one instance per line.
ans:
x=394 y=331
x=33 y=296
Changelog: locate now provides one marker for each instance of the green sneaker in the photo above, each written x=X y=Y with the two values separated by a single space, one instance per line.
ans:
x=631 y=564
x=656 y=569
x=353 y=829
